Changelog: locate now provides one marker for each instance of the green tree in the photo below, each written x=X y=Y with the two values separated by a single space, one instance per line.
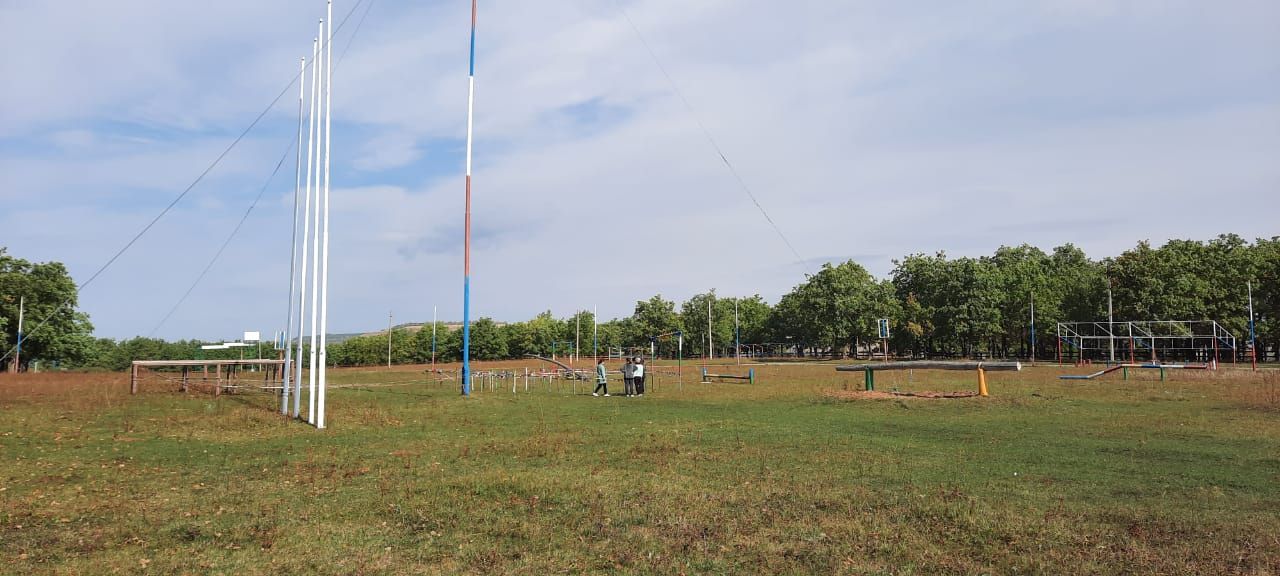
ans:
x=838 y=307
x=651 y=318
x=486 y=340
x=55 y=332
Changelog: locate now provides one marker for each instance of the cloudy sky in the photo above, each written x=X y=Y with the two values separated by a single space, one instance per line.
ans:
x=867 y=130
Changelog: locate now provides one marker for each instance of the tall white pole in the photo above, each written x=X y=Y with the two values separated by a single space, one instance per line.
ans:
x=306 y=233
x=434 y=322
x=711 y=347
x=324 y=275
x=389 y=340
x=595 y=335
x=17 y=355
x=1111 y=338
x=315 y=239
x=577 y=334
x=737 y=343
x=293 y=252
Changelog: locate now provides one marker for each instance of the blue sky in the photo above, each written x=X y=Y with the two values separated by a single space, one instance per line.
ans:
x=868 y=130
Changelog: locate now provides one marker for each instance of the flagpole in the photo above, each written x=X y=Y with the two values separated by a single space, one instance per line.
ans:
x=307 y=246
x=293 y=252
x=324 y=258
x=316 y=99
x=466 y=243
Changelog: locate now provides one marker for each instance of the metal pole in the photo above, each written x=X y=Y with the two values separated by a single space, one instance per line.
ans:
x=434 y=322
x=737 y=333
x=1111 y=337
x=313 y=226
x=1253 y=344
x=577 y=334
x=324 y=259
x=389 y=339
x=293 y=250
x=680 y=360
x=466 y=242
x=595 y=335
x=17 y=354
x=711 y=347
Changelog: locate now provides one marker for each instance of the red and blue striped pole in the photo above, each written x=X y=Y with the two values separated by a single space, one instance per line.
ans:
x=466 y=243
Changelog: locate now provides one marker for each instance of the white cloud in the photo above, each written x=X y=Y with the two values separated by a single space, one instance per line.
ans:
x=867 y=129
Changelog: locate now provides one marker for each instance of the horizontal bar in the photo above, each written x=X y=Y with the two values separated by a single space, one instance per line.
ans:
x=931 y=365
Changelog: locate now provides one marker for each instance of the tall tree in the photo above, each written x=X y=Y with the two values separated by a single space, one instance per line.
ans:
x=54 y=331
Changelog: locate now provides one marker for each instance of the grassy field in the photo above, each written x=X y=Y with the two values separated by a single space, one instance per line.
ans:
x=1043 y=477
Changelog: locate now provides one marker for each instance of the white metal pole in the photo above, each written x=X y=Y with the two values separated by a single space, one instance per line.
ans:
x=577 y=334
x=315 y=239
x=293 y=251
x=1111 y=337
x=711 y=347
x=306 y=231
x=17 y=355
x=389 y=339
x=737 y=344
x=324 y=275
x=434 y=322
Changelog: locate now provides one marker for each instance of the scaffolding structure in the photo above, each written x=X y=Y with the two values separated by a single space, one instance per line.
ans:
x=1145 y=340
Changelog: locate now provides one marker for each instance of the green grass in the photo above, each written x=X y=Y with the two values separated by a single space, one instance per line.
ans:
x=1044 y=477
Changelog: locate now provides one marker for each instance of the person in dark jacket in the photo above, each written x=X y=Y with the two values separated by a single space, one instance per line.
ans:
x=628 y=377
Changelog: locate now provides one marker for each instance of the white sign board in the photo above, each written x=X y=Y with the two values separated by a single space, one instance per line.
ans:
x=252 y=336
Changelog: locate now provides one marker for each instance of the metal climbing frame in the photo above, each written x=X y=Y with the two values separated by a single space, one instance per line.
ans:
x=1145 y=340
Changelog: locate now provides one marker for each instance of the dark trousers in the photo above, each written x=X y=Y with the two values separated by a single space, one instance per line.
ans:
x=629 y=384
x=601 y=385
x=639 y=384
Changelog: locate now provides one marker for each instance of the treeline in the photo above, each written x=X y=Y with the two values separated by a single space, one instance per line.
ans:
x=937 y=306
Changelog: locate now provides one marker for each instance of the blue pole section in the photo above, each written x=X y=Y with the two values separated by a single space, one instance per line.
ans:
x=466 y=336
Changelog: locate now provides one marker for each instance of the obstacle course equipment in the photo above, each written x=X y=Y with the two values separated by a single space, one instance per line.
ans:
x=869 y=370
x=1125 y=370
x=577 y=374
x=707 y=376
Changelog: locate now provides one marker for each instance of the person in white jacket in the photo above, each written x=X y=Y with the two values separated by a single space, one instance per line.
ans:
x=638 y=376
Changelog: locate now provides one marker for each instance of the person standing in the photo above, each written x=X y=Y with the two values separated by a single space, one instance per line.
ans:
x=602 y=379
x=638 y=376
x=628 y=377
